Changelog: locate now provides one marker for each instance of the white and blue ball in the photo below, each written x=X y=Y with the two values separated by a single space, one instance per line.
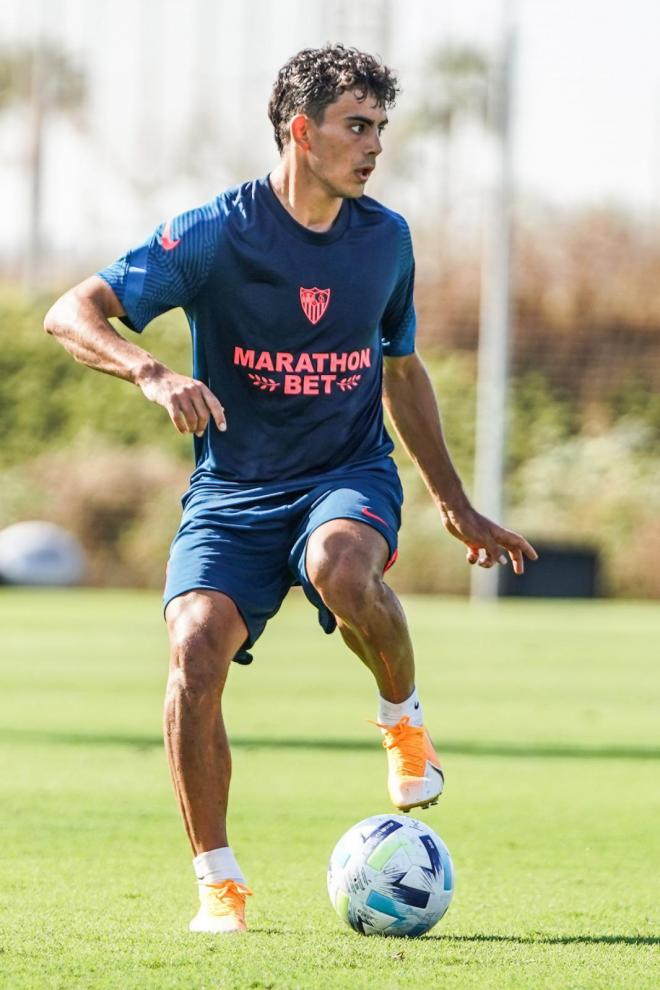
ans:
x=390 y=875
x=40 y=553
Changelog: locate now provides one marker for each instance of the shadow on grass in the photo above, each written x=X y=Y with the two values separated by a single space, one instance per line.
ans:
x=534 y=939
x=552 y=939
x=458 y=747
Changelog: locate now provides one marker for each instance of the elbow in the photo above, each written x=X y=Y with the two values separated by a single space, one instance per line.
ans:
x=401 y=371
x=51 y=319
x=49 y=322
x=87 y=301
x=59 y=316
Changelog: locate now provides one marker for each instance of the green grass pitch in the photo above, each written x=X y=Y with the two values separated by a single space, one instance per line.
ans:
x=546 y=715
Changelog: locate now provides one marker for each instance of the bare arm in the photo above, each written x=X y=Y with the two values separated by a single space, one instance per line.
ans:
x=411 y=404
x=79 y=320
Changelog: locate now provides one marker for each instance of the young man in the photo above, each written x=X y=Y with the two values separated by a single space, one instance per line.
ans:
x=299 y=293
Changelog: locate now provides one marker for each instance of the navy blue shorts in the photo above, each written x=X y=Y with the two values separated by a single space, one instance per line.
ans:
x=249 y=542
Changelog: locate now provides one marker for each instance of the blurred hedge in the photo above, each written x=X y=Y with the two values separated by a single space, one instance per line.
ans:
x=89 y=452
x=47 y=400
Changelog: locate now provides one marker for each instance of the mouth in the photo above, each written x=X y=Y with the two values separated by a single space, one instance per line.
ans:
x=364 y=172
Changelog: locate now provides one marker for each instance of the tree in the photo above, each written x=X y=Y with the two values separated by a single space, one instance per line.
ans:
x=44 y=79
x=456 y=79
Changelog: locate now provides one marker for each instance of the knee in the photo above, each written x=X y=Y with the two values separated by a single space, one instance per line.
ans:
x=199 y=656
x=348 y=585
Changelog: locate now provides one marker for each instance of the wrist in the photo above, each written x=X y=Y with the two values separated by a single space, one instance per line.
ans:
x=453 y=498
x=146 y=370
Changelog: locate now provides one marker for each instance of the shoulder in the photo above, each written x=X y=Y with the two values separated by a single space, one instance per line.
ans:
x=234 y=205
x=387 y=224
x=238 y=205
x=371 y=212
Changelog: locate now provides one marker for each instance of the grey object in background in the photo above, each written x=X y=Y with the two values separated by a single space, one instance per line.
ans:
x=40 y=553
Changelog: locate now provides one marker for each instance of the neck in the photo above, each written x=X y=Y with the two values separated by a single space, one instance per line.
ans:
x=303 y=196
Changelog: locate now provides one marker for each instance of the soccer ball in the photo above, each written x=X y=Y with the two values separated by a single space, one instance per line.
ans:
x=390 y=875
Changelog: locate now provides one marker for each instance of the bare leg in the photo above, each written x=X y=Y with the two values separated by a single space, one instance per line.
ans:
x=345 y=561
x=205 y=630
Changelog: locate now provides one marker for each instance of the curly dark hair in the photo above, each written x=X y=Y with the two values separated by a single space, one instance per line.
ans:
x=316 y=77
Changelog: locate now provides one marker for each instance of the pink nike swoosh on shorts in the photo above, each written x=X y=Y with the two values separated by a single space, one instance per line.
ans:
x=372 y=515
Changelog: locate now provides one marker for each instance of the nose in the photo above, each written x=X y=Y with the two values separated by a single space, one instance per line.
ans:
x=374 y=147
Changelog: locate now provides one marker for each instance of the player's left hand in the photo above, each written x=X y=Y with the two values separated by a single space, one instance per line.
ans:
x=487 y=543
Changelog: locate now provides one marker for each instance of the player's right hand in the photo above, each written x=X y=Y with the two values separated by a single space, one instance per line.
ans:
x=190 y=403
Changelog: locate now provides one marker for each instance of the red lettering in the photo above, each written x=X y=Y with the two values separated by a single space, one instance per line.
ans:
x=264 y=362
x=327 y=383
x=338 y=362
x=283 y=361
x=304 y=363
x=320 y=360
x=244 y=358
x=365 y=357
x=292 y=384
x=353 y=360
x=311 y=385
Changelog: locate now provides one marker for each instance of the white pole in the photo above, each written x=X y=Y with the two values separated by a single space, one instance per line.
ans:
x=495 y=316
x=33 y=240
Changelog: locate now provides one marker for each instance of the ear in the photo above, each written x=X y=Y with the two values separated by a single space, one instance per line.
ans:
x=299 y=128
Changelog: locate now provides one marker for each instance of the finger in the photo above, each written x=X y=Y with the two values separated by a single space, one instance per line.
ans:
x=521 y=544
x=485 y=560
x=517 y=561
x=179 y=420
x=472 y=555
x=190 y=414
x=215 y=408
x=515 y=542
x=493 y=552
x=184 y=415
x=200 y=408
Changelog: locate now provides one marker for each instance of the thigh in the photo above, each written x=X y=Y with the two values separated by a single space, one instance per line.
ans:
x=235 y=548
x=372 y=498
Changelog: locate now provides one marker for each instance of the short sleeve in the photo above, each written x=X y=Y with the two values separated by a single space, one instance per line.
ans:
x=399 y=322
x=168 y=269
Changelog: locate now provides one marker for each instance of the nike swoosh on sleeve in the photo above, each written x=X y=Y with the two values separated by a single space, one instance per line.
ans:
x=166 y=241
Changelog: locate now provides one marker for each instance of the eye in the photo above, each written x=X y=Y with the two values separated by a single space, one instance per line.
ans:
x=357 y=128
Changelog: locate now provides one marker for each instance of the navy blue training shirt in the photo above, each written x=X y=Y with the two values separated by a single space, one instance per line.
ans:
x=289 y=327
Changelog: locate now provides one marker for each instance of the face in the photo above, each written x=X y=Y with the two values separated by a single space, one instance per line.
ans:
x=342 y=148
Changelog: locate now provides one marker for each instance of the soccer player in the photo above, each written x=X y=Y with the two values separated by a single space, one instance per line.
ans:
x=298 y=289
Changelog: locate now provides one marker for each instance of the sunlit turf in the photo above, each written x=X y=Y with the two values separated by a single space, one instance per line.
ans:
x=547 y=716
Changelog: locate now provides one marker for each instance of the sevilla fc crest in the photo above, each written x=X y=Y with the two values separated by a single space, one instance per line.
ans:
x=314 y=303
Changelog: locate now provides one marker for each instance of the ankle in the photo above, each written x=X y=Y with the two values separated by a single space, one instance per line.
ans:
x=390 y=712
x=217 y=865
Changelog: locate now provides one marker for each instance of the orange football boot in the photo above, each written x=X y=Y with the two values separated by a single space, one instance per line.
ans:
x=222 y=907
x=415 y=777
